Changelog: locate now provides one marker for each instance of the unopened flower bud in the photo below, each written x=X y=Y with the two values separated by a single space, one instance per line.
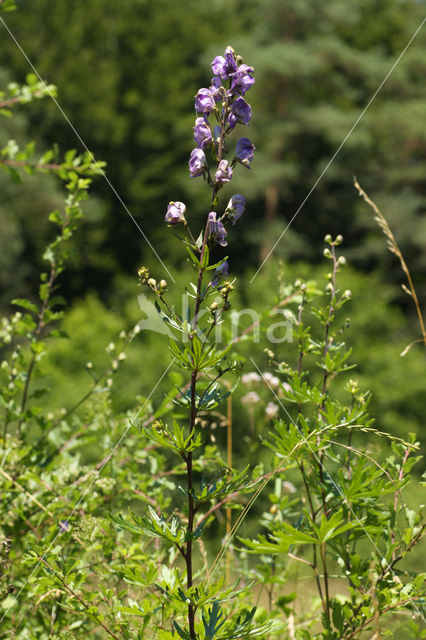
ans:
x=214 y=305
x=162 y=286
x=341 y=260
x=347 y=294
x=339 y=239
x=327 y=253
x=328 y=238
x=152 y=283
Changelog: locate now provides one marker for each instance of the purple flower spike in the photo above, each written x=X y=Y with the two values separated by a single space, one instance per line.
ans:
x=224 y=172
x=202 y=132
x=242 y=79
x=241 y=110
x=235 y=207
x=197 y=163
x=204 y=101
x=244 y=151
x=175 y=213
x=217 y=229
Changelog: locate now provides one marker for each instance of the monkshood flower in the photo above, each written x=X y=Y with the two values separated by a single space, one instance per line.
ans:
x=217 y=229
x=202 y=132
x=244 y=151
x=175 y=213
x=235 y=207
x=204 y=101
x=242 y=80
x=224 y=172
x=197 y=163
x=220 y=272
x=225 y=66
x=215 y=88
x=240 y=112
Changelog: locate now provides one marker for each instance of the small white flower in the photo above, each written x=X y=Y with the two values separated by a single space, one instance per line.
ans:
x=271 y=380
x=288 y=486
x=250 y=398
x=250 y=378
x=271 y=410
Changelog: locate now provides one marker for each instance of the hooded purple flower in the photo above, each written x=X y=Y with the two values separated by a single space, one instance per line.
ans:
x=242 y=79
x=202 y=132
x=204 y=101
x=216 y=85
x=217 y=229
x=197 y=163
x=240 y=112
x=235 y=207
x=220 y=272
x=175 y=213
x=244 y=151
x=225 y=66
x=224 y=172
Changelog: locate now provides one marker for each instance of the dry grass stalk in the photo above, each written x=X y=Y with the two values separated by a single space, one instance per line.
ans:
x=393 y=248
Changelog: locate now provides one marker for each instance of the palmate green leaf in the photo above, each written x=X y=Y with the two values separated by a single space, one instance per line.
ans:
x=175 y=438
x=334 y=526
x=229 y=483
x=214 y=622
x=154 y=526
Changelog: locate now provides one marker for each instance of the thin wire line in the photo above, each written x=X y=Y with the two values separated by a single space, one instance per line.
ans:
x=101 y=171
x=83 y=495
x=340 y=146
x=338 y=489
